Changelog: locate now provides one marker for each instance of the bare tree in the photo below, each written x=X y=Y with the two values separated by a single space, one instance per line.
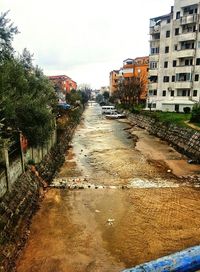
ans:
x=129 y=90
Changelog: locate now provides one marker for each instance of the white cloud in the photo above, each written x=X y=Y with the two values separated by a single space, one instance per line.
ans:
x=83 y=39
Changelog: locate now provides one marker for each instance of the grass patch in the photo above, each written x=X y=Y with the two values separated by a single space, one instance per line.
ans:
x=178 y=119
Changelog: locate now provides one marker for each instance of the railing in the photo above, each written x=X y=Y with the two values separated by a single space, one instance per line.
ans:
x=184 y=261
x=154 y=30
x=188 y=19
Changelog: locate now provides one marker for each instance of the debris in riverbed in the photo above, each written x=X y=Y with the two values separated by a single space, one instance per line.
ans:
x=110 y=221
x=169 y=171
x=193 y=161
x=97 y=211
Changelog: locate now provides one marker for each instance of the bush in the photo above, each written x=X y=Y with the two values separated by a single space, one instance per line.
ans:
x=195 y=118
x=186 y=110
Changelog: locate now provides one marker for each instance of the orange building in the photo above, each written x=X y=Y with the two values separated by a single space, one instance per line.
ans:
x=64 y=83
x=128 y=68
x=114 y=76
x=137 y=67
x=141 y=69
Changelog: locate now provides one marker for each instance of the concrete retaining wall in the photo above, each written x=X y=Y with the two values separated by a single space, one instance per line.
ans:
x=3 y=183
x=185 y=140
x=16 y=209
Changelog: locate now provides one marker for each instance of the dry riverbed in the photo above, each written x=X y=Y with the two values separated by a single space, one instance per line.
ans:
x=145 y=204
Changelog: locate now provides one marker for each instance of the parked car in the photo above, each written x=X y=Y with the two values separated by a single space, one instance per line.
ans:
x=64 y=106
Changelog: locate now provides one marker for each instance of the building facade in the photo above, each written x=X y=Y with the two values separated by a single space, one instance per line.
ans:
x=174 y=62
x=141 y=69
x=62 y=84
x=137 y=67
x=113 y=81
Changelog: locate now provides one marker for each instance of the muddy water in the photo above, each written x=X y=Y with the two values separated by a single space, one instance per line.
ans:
x=112 y=229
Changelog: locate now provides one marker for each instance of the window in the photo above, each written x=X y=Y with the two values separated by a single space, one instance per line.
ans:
x=153 y=65
x=151 y=105
x=178 y=15
x=198 y=61
x=164 y=93
x=167 y=34
x=173 y=78
x=154 y=105
x=172 y=93
x=153 y=79
x=165 y=64
x=154 y=50
x=175 y=47
x=166 y=49
x=188 y=62
x=185 y=92
x=174 y=63
x=152 y=92
x=168 y=20
x=194 y=92
x=166 y=79
x=183 y=77
x=176 y=31
x=196 y=78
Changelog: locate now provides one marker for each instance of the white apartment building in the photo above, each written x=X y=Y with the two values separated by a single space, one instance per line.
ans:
x=174 y=62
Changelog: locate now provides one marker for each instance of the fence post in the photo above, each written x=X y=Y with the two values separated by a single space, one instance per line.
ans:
x=6 y=160
x=22 y=153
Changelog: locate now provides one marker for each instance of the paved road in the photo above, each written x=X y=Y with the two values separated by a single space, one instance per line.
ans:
x=110 y=228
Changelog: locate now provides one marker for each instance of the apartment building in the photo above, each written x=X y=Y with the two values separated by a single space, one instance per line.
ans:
x=62 y=84
x=113 y=80
x=137 y=67
x=174 y=62
x=141 y=69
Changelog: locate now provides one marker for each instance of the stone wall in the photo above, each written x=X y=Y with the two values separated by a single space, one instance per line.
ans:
x=16 y=209
x=185 y=140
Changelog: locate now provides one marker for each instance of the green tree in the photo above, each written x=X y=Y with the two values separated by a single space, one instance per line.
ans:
x=195 y=117
x=99 y=98
x=106 y=95
x=7 y=33
x=27 y=97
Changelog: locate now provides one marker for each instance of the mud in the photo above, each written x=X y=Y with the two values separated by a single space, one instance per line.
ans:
x=113 y=228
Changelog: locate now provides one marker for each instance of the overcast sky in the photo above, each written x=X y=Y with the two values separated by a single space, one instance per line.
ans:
x=84 y=39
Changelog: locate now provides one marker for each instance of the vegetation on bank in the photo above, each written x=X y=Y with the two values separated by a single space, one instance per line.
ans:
x=179 y=119
x=27 y=97
x=29 y=102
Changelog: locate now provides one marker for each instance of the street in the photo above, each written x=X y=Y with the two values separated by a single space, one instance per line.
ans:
x=140 y=203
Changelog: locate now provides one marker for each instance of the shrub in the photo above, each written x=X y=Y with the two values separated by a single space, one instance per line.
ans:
x=186 y=110
x=195 y=114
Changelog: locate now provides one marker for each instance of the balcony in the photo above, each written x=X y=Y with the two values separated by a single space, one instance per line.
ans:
x=187 y=36
x=189 y=19
x=184 y=53
x=153 y=72
x=183 y=85
x=183 y=69
x=154 y=29
x=153 y=85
